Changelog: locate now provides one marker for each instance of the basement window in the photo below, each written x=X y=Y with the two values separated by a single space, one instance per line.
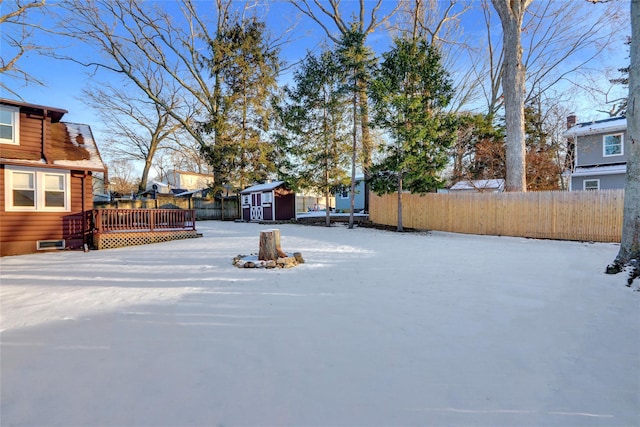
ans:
x=45 y=245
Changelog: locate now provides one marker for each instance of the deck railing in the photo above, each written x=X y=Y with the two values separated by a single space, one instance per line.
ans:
x=120 y=220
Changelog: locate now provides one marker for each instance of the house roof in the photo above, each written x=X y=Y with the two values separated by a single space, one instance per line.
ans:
x=600 y=170
x=55 y=113
x=72 y=147
x=599 y=126
x=479 y=184
x=262 y=187
x=76 y=147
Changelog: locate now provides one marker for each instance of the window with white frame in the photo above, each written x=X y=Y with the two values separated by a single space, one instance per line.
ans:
x=591 y=184
x=28 y=189
x=246 y=199
x=9 y=125
x=344 y=193
x=613 y=145
x=266 y=198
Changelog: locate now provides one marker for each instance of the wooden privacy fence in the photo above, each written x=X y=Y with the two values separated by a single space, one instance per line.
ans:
x=562 y=215
x=206 y=209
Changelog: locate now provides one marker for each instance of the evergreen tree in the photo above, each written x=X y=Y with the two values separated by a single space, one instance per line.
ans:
x=409 y=91
x=245 y=68
x=317 y=126
x=356 y=61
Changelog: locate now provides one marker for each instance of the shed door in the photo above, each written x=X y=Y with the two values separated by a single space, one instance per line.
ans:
x=256 y=207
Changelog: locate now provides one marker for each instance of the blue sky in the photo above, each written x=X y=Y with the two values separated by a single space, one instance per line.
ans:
x=65 y=80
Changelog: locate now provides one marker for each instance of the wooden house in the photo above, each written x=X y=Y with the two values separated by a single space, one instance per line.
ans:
x=272 y=201
x=46 y=190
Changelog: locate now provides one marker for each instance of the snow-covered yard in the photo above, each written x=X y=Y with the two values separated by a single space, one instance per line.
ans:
x=376 y=328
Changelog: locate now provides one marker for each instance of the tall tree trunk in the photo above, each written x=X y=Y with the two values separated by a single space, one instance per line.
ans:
x=352 y=196
x=630 y=244
x=367 y=143
x=511 y=14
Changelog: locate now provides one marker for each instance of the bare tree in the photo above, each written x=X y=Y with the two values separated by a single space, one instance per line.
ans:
x=138 y=127
x=18 y=28
x=133 y=36
x=440 y=24
x=121 y=178
x=185 y=155
x=630 y=245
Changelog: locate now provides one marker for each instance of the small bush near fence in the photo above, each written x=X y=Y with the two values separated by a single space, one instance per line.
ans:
x=562 y=215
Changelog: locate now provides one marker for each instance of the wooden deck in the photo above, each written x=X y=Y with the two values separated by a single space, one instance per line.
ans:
x=113 y=228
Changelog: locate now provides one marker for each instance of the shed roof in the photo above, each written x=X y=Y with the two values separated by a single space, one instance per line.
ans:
x=263 y=187
x=479 y=185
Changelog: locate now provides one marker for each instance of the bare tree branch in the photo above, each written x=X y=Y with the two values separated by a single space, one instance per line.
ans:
x=18 y=30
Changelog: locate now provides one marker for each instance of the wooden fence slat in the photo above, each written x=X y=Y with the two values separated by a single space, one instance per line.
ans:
x=562 y=215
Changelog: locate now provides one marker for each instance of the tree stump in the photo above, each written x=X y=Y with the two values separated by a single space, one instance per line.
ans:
x=270 y=245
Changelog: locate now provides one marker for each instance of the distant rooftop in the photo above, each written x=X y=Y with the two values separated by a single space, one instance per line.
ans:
x=597 y=126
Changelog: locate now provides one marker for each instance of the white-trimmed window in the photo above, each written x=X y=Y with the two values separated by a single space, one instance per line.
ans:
x=9 y=125
x=344 y=193
x=266 y=198
x=613 y=145
x=591 y=184
x=246 y=199
x=29 y=189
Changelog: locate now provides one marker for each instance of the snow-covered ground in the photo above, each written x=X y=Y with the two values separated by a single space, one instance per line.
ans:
x=376 y=328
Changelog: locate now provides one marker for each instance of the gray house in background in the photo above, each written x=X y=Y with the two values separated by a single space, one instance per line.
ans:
x=598 y=154
x=343 y=197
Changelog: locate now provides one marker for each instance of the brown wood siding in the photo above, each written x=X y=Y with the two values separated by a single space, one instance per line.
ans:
x=30 y=147
x=285 y=204
x=267 y=212
x=20 y=231
x=2 y=194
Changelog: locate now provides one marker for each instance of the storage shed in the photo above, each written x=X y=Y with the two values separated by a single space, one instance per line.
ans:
x=272 y=201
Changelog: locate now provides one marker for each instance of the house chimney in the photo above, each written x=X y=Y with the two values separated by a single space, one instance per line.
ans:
x=571 y=121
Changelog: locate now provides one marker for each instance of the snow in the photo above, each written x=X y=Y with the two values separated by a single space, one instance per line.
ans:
x=600 y=170
x=479 y=184
x=262 y=187
x=323 y=214
x=607 y=125
x=376 y=328
x=95 y=161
